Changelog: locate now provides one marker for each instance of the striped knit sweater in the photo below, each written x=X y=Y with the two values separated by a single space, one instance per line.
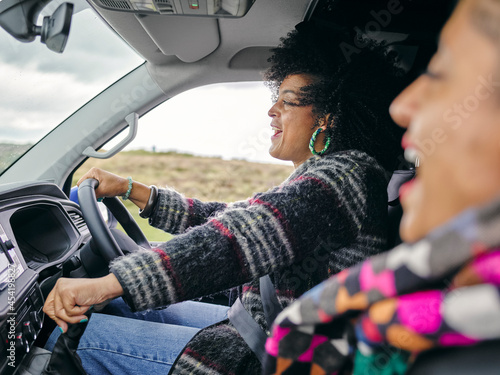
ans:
x=328 y=215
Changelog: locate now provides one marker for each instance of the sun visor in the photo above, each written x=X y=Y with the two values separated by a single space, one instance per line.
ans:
x=188 y=38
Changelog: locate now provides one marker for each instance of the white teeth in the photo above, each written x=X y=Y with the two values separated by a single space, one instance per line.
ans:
x=411 y=155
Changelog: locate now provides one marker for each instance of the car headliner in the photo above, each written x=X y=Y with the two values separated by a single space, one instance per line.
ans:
x=243 y=44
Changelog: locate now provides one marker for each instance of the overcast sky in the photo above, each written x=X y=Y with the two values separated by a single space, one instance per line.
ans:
x=228 y=120
x=40 y=88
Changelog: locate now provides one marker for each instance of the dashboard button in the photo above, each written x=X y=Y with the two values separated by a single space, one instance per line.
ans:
x=29 y=332
x=35 y=320
x=22 y=345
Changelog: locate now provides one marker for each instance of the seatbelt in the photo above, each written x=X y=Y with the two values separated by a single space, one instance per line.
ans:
x=270 y=301
x=247 y=327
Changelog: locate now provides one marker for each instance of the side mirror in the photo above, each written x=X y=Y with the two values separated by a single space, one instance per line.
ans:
x=18 y=18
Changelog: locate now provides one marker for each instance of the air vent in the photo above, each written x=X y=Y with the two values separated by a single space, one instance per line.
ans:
x=165 y=6
x=78 y=221
x=116 y=4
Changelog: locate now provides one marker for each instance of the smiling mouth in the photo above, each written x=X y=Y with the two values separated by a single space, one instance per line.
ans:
x=277 y=132
x=411 y=155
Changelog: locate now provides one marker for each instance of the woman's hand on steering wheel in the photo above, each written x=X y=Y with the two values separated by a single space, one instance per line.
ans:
x=71 y=298
x=110 y=184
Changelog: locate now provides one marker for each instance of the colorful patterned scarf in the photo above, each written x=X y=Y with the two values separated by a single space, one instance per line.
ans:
x=442 y=291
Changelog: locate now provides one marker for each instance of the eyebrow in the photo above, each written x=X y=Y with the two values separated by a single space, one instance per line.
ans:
x=486 y=19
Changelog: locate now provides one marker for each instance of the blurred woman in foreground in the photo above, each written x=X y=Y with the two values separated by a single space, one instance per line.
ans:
x=441 y=288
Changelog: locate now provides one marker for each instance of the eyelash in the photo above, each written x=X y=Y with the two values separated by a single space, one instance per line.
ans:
x=286 y=102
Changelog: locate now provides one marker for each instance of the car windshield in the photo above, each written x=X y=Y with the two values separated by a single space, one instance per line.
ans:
x=41 y=88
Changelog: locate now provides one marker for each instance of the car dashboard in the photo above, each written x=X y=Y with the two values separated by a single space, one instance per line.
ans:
x=40 y=229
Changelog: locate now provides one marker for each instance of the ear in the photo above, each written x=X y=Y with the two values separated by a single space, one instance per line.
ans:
x=324 y=121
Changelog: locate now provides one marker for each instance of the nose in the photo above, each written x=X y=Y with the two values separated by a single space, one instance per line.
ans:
x=406 y=104
x=273 y=111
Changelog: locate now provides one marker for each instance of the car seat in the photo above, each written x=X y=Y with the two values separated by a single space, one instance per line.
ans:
x=480 y=359
x=395 y=211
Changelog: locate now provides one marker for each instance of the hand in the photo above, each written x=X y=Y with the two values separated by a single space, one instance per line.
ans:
x=110 y=185
x=71 y=298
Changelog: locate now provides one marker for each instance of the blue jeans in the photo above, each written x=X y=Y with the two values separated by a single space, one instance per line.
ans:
x=127 y=343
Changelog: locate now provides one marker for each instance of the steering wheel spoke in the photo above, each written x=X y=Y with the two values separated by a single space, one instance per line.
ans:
x=104 y=240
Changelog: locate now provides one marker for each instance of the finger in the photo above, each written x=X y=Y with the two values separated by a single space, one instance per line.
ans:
x=83 y=178
x=48 y=307
x=60 y=312
x=63 y=326
x=62 y=316
x=75 y=311
x=92 y=173
x=49 y=310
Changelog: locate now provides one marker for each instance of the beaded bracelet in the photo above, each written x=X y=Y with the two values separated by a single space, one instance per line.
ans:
x=150 y=206
x=129 y=190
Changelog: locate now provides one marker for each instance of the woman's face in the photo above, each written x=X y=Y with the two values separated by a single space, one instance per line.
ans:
x=452 y=114
x=292 y=124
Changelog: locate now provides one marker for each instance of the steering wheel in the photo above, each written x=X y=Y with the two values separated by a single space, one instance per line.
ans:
x=104 y=240
x=64 y=358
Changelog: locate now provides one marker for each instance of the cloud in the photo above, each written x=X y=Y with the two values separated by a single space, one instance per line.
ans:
x=91 y=49
x=41 y=88
x=34 y=103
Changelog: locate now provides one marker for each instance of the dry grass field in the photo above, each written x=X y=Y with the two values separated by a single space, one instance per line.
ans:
x=208 y=179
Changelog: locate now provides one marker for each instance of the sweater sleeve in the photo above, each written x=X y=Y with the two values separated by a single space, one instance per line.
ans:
x=175 y=213
x=274 y=230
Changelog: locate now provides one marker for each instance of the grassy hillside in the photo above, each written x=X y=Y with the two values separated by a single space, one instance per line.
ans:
x=10 y=152
x=207 y=179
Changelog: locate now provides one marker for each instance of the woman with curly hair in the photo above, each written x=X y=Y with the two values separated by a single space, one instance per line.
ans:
x=330 y=118
x=352 y=93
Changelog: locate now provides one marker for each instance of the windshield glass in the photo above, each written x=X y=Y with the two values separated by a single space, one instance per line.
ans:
x=41 y=88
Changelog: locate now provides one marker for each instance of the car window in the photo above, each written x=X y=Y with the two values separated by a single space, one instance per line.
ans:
x=227 y=120
x=41 y=88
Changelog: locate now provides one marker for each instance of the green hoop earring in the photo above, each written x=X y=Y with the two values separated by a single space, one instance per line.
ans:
x=313 y=141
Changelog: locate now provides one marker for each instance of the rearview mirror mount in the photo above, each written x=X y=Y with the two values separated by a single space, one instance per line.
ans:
x=18 y=18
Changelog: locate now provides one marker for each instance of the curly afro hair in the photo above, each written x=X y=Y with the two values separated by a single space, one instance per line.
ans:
x=356 y=89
